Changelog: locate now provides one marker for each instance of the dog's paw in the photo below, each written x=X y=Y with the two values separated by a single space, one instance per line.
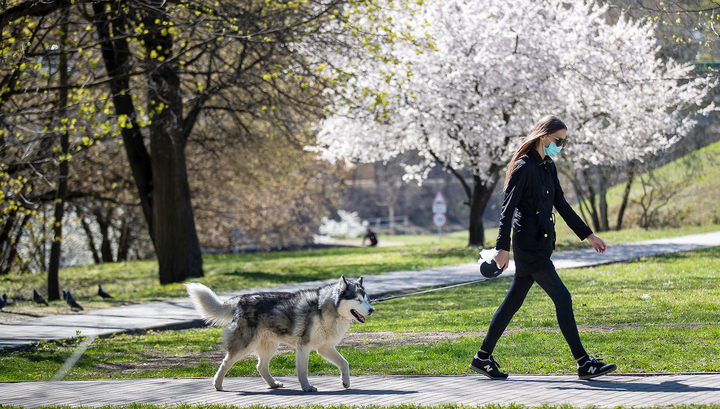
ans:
x=346 y=384
x=276 y=384
x=309 y=388
x=218 y=383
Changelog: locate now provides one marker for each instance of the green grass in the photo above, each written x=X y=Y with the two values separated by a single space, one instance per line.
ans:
x=632 y=313
x=405 y=406
x=667 y=289
x=695 y=183
x=137 y=282
x=446 y=240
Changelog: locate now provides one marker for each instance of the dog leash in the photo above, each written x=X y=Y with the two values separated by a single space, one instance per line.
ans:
x=427 y=291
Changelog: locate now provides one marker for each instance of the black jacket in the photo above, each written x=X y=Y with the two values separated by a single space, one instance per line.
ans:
x=530 y=195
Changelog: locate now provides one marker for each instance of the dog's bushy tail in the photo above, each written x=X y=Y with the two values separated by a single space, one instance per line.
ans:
x=210 y=307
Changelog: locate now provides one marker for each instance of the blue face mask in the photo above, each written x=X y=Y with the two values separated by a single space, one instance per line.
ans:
x=552 y=149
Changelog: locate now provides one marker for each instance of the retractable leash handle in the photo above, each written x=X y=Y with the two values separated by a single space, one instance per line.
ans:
x=488 y=266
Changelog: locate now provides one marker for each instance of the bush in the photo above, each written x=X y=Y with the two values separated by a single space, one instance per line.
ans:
x=350 y=226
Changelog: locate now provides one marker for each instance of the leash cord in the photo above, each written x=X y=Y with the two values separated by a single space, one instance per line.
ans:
x=427 y=291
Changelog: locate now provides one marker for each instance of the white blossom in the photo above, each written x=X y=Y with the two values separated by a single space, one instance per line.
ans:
x=490 y=69
x=349 y=226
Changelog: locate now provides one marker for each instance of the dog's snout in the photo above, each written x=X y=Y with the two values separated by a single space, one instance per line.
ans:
x=370 y=311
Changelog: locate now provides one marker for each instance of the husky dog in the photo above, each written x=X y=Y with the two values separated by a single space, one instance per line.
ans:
x=308 y=320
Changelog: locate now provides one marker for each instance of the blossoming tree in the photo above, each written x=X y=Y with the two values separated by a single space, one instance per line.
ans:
x=489 y=71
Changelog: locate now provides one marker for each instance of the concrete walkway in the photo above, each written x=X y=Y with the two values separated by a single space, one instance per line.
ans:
x=530 y=390
x=179 y=313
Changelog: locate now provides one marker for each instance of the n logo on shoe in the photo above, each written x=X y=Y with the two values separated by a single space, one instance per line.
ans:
x=488 y=368
x=592 y=369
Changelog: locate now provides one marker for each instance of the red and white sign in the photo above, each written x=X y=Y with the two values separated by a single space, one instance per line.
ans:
x=439 y=219
x=439 y=205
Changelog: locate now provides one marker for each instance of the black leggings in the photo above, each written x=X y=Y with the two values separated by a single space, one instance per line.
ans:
x=554 y=287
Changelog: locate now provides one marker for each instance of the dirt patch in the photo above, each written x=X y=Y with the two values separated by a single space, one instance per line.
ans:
x=367 y=340
x=120 y=369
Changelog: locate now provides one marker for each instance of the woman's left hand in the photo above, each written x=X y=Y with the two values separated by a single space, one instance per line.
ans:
x=597 y=243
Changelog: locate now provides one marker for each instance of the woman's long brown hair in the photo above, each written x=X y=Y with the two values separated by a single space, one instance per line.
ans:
x=547 y=125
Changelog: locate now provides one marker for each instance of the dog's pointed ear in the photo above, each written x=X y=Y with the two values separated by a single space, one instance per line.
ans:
x=360 y=281
x=343 y=285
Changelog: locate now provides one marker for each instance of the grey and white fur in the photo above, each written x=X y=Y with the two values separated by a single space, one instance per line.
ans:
x=307 y=320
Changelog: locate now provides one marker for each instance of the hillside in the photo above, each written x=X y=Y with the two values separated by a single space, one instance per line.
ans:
x=683 y=193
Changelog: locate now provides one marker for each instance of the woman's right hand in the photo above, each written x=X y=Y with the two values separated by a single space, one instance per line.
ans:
x=502 y=259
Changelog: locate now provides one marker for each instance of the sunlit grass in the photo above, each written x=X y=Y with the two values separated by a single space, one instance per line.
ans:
x=657 y=314
x=369 y=406
x=667 y=289
x=661 y=349
x=137 y=282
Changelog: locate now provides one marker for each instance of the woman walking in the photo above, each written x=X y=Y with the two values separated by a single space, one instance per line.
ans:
x=531 y=190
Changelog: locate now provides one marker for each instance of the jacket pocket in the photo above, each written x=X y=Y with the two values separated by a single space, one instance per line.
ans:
x=546 y=235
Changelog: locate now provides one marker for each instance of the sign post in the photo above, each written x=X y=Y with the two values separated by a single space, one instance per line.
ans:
x=439 y=208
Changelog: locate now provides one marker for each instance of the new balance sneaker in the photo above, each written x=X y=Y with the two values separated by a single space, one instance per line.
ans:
x=487 y=367
x=592 y=368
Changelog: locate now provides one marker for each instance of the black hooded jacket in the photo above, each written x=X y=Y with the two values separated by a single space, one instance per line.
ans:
x=530 y=195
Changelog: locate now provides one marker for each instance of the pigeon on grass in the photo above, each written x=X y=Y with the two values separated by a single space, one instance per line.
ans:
x=102 y=293
x=74 y=306
x=39 y=298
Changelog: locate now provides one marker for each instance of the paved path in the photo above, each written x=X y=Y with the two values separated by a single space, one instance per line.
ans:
x=530 y=390
x=179 y=313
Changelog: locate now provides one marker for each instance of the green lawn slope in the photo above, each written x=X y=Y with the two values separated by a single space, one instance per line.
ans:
x=686 y=197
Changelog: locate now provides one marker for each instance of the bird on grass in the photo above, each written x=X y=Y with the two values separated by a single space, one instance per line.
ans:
x=74 y=306
x=3 y=301
x=39 y=298
x=102 y=293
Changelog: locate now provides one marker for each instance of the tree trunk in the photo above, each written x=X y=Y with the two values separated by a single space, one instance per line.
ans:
x=477 y=198
x=582 y=203
x=602 y=199
x=13 y=245
x=482 y=192
x=579 y=193
x=41 y=254
x=91 y=240
x=56 y=246
x=161 y=176
x=104 y=222
x=391 y=202
x=176 y=241
x=116 y=53
x=124 y=240
x=5 y=242
x=592 y=207
x=626 y=196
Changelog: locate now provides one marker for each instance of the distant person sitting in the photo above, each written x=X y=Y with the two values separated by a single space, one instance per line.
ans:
x=370 y=235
